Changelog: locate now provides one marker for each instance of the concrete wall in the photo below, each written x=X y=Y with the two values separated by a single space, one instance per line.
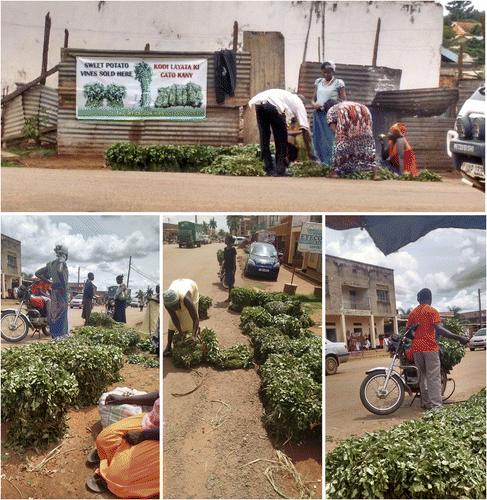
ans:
x=410 y=36
x=366 y=280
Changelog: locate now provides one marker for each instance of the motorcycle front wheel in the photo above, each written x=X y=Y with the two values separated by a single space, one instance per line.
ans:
x=46 y=331
x=13 y=330
x=376 y=399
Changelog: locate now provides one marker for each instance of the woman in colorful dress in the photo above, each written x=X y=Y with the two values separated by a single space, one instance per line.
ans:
x=127 y=452
x=57 y=272
x=399 y=155
x=351 y=122
x=327 y=90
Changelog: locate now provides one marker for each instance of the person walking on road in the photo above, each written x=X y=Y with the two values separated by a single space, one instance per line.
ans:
x=181 y=302
x=273 y=108
x=229 y=264
x=88 y=295
x=425 y=349
x=121 y=296
x=57 y=272
x=328 y=90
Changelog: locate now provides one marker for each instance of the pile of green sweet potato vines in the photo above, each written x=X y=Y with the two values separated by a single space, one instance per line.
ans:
x=290 y=359
x=238 y=160
x=42 y=381
x=442 y=455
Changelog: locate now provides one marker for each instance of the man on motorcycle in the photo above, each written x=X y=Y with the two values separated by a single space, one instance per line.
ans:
x=425 y=349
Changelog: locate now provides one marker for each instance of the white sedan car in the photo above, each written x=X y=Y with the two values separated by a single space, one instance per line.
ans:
x=335 y=353
x=76 y=301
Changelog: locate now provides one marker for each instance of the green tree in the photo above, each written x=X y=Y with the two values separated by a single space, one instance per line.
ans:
x=143 y=73
x=205 y=227
x=149 y=292
x=140 y=294
x=449 y=35
x=233 y=222
x=456 y=312
x=221 y=233
x=459 y=10
x=212 y=224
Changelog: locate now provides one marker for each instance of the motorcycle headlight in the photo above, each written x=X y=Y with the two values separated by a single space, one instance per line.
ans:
x=463 y=126
x=478 y=128
x=252 y=262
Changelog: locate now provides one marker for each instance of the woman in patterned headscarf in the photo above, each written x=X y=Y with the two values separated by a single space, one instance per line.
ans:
x=399 y=156
x=351 y=123
x=57 y=272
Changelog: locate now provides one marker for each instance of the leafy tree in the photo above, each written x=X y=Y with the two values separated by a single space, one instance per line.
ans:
x=456 y=312
x=143 y=73
x=140 y=295
x=449 y=35
x=212 y=224
x=149 y=292
x=221 y=233
x=205 y=227
x=459 y=10
x=233 y=222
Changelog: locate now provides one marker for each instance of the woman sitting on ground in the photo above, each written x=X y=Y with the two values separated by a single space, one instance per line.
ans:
x=127 y=452
x=399 y=156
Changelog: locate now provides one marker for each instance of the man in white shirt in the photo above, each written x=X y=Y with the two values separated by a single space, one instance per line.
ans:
x=271 y=109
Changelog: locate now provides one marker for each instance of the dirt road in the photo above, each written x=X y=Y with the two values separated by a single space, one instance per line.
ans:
x=64 y=476
x=113 y=191
x=134 y=318
x=211 y=434
x=345 y=415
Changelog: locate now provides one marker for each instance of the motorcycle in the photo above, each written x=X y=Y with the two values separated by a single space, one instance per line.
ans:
x=15 y=323
x=383 y=390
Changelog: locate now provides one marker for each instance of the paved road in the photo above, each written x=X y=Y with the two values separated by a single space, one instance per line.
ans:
x=35 y=189
x=134 y=318
x=345 y=415
x=211 y=433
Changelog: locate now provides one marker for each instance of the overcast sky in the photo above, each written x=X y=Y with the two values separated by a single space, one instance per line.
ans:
x=221 y=220
x=451 y=262
x=100 y=244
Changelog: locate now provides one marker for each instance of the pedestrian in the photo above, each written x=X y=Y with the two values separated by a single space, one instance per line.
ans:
x=398 y=156
x=351 y=122
x=425 y=349
x=141 y=303
x=229 y=264
x=88 y=295
x=367 y=344
x=121 y=296
x=273 y=108
x=57 y=272
x=328 y=88
x=181 y=302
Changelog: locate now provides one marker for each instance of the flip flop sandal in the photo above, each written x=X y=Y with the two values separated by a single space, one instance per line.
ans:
x=93 y=459
x=96 y=484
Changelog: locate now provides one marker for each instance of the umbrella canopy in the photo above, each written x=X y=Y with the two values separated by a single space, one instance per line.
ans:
x=392 y=232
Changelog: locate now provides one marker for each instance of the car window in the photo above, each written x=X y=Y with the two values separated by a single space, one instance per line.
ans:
x=480 y=333
x=264 y=251
x=79 y=296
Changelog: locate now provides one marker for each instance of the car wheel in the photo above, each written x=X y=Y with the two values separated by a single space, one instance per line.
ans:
x=472 y=349
x=331 y=365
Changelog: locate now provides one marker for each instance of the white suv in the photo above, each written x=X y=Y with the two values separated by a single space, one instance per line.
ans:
x=466 y=144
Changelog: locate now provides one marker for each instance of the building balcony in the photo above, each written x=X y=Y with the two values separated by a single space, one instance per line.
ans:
x=384 y=308
x=356 y=305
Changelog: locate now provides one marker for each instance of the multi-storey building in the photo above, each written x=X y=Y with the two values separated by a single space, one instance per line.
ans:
x=360 y=301
x=11 y=266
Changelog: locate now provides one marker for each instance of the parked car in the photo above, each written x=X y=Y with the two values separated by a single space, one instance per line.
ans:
x=238 y=240
x=335 y=353
x=134 y=303
x=478 y=340
x=466 y=144
x=206 y=239
x=76 y=301
x=262 y=261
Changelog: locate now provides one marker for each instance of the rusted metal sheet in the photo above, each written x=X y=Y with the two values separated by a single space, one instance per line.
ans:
x=13 y=119
x=417 y=102
x=361 y=82
x=36 y=101
x=221 y=126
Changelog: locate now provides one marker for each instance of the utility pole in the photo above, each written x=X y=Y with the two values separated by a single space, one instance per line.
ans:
x=78 y=279
x=45 y=48
x=128 y=274
x=480 y=310
x=376 y=43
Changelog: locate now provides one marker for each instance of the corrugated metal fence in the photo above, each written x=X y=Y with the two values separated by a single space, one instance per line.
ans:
x=37 y=101
x=84 y=137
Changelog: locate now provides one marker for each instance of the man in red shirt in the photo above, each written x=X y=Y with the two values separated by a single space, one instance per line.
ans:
x=426 y=349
